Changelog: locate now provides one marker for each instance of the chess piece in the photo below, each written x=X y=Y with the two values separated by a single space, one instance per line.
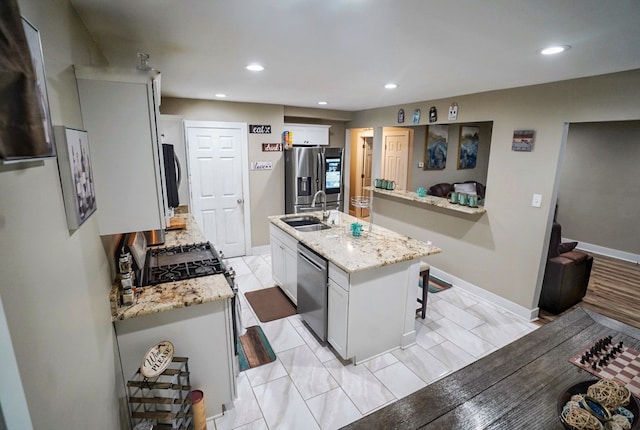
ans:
x=594 y=365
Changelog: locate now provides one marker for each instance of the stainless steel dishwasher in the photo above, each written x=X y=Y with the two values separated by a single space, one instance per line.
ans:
x=313 y=275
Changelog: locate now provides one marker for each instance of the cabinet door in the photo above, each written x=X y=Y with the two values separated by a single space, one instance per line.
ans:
x=338 y=311
x=291 y=275
x=277 y=262
x=310 y=135
x=124 y=154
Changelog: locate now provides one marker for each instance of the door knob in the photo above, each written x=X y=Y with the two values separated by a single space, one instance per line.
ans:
x=240 y=201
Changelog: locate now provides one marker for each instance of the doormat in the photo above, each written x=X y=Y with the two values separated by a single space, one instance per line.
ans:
x=254 y=349
x=270 y=304
x=435 y=284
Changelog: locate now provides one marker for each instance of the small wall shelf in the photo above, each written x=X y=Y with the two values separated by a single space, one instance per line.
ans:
x=440 y=202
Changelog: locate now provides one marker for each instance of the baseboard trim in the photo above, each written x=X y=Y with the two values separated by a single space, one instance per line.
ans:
x=608 y=252
x=257 y=250
x=529 y=315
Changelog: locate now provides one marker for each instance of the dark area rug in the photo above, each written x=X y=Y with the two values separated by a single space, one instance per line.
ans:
x=436 y=285
x=254 y=349
x=270 y=304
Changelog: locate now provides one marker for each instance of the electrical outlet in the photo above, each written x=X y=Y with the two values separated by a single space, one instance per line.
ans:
x=536 y=202
x=421 y=164
x=453 y=112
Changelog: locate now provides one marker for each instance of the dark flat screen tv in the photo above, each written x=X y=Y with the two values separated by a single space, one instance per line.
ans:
x=27 y=133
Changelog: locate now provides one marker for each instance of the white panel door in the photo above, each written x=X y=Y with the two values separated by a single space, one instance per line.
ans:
x=215 y=176
x=396 y=157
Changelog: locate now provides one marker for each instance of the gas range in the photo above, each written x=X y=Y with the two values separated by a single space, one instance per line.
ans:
x=175 y=263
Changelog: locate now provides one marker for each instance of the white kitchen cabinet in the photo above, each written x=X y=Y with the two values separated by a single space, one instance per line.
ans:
x=284 y=262
x=309 y=134
x=120 y=111
x=337 y=321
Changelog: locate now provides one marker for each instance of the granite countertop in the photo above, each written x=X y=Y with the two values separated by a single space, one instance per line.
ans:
x=173 y=295
x=440 y=202
x=380 y=247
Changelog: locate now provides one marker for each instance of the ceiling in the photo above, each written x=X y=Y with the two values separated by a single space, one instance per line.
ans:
x=345 y=51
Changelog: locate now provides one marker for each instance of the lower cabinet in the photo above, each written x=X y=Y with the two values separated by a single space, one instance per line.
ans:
x=284 y=262
x=338 y=311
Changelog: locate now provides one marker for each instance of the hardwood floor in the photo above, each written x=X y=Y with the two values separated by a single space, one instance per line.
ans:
x=614 y=291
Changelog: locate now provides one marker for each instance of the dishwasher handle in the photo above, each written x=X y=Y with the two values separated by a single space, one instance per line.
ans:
x=305 y=258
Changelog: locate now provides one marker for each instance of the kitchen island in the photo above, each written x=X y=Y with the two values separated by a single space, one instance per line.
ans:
x=372 y=281
x=195 y=315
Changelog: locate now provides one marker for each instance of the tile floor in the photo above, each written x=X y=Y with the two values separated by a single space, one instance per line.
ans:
x=308 y=387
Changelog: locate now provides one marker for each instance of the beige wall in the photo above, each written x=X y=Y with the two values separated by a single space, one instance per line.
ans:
x=266 y=187
x=55 y=285
x=599 y=197
x=502 y=251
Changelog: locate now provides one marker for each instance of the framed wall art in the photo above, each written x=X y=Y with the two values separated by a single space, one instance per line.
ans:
x=468 y=147
x=437 y=144
x=76 y=176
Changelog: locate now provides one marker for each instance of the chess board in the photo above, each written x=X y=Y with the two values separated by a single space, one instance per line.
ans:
x=624 y=368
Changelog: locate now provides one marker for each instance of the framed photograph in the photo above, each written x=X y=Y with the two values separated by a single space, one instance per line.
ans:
x=468 y=147
x=76 y=176
x=35 y=48
x=437 y=144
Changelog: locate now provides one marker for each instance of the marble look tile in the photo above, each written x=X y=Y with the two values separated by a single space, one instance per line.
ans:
x=420 y=362
x=295 y=320
x=307 y=372
x=281 y=335
x=498 y=338
x=451 y=355
x=458 y=297
x=324 y=353
x=431 y=315
x=461 y=317
x=283 y=407
x=248 y=283
x=333 y=409
x=253 y=261
x=264 y=274
x=256 y=425
x=265 y=373
x=380 y=362
x=466 y=340
x=426 y=337
x=239 y=265
x=267 y=258
x=400 y=380
x=362 y=387
x=245 y=407
x=500 y=319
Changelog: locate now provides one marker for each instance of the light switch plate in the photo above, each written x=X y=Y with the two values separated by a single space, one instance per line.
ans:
x=536 y=202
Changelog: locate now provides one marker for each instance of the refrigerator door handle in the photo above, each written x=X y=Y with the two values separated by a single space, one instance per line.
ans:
x=319 y=172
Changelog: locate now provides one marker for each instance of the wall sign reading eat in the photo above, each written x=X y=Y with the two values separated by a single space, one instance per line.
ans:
x=260 y=129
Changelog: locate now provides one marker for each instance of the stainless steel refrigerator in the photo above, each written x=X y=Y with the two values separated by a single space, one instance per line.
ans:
x=308 y=170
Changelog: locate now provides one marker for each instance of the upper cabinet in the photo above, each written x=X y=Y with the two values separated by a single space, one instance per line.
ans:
x=120 y=111
x=308 y=134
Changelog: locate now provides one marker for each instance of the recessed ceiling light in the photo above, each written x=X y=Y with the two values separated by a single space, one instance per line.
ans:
x=255 y=67
x=322 y=103
x=221 y=96
x=551 y=50
x=390 y=86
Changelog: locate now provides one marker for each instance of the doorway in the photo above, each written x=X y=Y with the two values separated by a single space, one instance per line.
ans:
x=396 y=155
x=361 y=168
x=218 y=183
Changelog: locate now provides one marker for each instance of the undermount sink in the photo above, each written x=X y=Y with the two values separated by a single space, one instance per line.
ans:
x=302 y=221
x=312 y=227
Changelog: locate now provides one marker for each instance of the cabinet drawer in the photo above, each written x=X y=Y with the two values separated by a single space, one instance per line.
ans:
x=339 y=276
x=283 y=237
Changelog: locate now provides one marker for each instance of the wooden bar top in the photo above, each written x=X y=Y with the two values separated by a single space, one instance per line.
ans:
x=516 y=387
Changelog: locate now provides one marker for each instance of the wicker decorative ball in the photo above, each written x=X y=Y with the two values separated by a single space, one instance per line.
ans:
x=581 y=420
x=618 y=422
x=609 y=393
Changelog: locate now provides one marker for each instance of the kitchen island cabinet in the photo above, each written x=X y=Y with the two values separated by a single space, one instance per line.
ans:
x=195 y=315
x=371 y=283
x=284 y=262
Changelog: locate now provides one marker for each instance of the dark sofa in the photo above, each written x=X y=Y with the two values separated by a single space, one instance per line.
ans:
x=443 y=189
x=566 y=275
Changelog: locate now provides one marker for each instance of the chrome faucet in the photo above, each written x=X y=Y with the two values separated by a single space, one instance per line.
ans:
x=325 y=213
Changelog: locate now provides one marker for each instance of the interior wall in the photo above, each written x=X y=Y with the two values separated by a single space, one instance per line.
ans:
x=266 y=187
x=451 y=173
x=55 y=285
x=502 y=251
x=598 y=196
